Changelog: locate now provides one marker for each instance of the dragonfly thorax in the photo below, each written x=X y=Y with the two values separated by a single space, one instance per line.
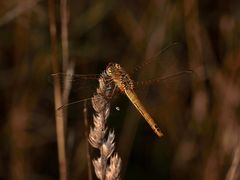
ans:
x=119 y=76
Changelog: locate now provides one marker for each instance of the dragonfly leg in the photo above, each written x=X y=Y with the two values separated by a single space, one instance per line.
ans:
x=113 y=91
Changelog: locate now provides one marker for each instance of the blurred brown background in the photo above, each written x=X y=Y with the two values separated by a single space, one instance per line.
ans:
x=198 y=113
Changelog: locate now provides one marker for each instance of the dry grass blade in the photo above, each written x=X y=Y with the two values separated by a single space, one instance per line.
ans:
x=85 y=117
x=17 y=11
x=233 y=172
x=64 y=33
x=59 y=115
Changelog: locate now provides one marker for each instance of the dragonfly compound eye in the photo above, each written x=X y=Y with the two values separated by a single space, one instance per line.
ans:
x=109 y=70
x=117 y=66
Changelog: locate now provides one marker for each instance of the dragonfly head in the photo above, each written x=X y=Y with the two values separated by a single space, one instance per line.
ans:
x=112 y=68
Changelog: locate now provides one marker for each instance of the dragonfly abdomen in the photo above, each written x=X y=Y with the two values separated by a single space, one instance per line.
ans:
x=140 y=107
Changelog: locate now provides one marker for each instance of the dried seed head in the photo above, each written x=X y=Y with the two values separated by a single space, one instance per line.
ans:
x=113 y=170
x=108 y=146
x=98 y=167
x=99 y=103
x=97 y=135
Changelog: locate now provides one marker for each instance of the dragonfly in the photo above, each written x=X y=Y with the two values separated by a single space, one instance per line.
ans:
x=118 y=78
x=126 y=85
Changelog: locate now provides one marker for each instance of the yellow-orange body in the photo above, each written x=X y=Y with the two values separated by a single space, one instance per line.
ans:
x=123 y=81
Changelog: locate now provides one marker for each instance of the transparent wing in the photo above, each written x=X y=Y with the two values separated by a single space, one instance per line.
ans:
x=166 y=69
x=168 y=60
x=162 y=53
x=163 y=83
x=161 y=79
x=78 y=81
x=82 y=87
x=165 y=72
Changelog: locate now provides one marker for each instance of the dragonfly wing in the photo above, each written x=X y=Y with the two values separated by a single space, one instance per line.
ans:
x=153 y=58
x=177 y=75
x=168 y=60
x=166 y=75
x=82 y=87
x=167 y=97
x=78 y=82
